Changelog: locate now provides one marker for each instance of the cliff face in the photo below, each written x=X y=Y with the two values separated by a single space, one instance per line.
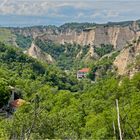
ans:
x=116 y=35
x=127 y=62
x=35 y=52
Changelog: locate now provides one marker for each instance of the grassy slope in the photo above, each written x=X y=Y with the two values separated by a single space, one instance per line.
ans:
x=6 y=35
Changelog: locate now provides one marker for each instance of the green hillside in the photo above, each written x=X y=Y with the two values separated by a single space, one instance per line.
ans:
x=17 y=69
x=6 y=35
x=60 y=107
x=66 y=55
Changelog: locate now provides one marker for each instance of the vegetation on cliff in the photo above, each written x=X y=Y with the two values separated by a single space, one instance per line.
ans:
x=66 y=55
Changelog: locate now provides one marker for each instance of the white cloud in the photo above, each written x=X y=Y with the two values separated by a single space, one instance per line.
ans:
x=40 y=7
x=95 y=15
x=111 y=14
x=3 y=3
x=80 y=15
x=72 y=10
x=23 y=7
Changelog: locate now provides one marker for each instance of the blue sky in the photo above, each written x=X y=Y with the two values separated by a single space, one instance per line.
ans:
x=57 y=12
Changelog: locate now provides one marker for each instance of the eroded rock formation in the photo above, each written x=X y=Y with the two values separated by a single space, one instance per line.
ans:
x=127 y=61
x=35 y=52
x=116 y=35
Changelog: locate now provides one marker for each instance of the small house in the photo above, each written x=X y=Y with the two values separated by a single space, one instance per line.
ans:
x=82 y=73
x=13 y=104
x=16 y=104
x=14 y=101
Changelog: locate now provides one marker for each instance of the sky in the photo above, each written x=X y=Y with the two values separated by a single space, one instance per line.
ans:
x=57 y=12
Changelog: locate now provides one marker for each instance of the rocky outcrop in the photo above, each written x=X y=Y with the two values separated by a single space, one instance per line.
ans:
x=122 y=61
x=35 y=52
x=90 y=55
x=126 y=61
x=116 y=35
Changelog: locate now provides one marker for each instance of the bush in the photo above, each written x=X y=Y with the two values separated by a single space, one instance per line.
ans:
x=104 y=49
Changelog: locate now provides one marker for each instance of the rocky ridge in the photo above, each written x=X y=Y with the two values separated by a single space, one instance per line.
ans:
x=116 y=35
x=127 y=62
x=35 y=52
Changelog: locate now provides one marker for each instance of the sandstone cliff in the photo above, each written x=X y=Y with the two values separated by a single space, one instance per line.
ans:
x=116 y=35
x=35 y=52
x=127 y=61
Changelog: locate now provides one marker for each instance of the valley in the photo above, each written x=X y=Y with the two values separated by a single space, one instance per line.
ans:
x=64 y=82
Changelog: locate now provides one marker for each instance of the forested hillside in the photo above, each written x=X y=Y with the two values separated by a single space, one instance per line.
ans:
x=69 y=69
x=67 y=56
x=60 y=107
x=57 y=105
x=17 y=69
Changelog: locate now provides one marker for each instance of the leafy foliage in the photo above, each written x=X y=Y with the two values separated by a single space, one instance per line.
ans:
x=104 y=49
x=89 y=115
x=29 y=70
x=6 y=35
x=23 y=42
x=103 y=68
x=54 y=111
x=76 y=26
x=65 y=55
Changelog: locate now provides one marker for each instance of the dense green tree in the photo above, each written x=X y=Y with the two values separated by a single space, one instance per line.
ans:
x=4 y=92
x=104 y=49
x=60 y=107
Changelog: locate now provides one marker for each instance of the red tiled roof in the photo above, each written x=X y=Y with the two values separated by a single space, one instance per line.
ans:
x=17 y=103
x=84 y=70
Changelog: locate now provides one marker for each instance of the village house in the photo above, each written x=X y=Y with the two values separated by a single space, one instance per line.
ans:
x=82 y=73
x=14 y=101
